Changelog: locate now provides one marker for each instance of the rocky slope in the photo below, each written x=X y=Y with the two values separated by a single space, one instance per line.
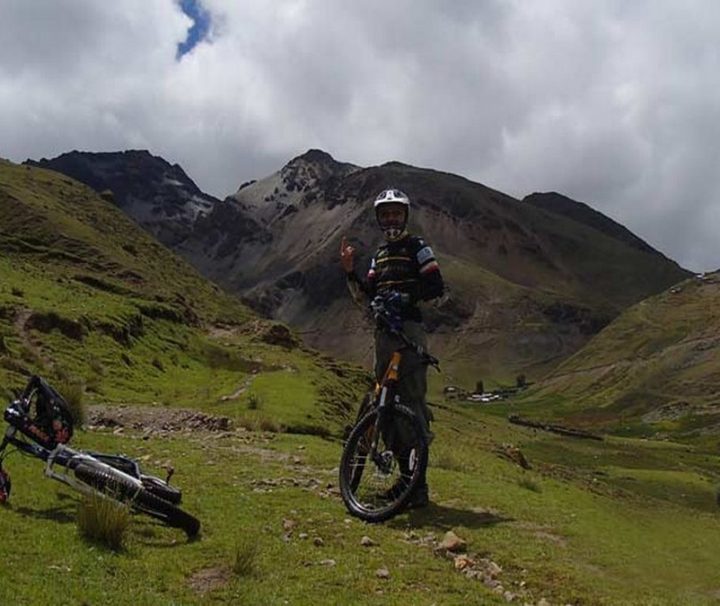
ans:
x=157 y=195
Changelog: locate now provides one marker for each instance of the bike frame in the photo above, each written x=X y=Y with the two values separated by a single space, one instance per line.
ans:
x=384 y=391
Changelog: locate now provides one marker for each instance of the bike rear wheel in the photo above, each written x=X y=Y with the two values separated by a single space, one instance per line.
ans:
x=116 y=485
x=161 y=489
x=376 y=483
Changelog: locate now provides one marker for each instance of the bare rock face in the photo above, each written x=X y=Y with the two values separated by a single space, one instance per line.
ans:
x=157 y=195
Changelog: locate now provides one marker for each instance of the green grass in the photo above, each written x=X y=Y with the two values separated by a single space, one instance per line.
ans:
x=623 y=521
x=103 y=521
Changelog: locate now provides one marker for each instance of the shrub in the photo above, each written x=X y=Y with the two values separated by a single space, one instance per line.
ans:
x=267 y=424
x=529 y=484
x=73 y=391
x=254 y=402
x=450 y=461
x=103 y=520
x=259 y=423
x=32 y=358
x=246 y=552
x=97 y=366
x=310 y=430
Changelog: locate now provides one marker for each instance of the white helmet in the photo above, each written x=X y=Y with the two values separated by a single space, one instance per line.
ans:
x=392 y=196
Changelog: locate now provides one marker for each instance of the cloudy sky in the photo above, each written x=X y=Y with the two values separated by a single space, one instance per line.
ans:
x=612 y=102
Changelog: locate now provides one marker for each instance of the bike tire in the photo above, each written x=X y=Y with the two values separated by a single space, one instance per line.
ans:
x=356 y=463
x=117 y=486
x=161 y=489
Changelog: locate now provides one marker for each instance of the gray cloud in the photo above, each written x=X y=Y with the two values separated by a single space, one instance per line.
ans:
x=612 y=103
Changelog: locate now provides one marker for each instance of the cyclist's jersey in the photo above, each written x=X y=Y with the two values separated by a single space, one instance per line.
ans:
x=409 y=266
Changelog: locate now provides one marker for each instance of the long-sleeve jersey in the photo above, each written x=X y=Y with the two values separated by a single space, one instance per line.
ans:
x=407 y=266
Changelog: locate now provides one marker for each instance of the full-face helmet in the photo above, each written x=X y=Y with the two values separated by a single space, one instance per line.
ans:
x=392 y=210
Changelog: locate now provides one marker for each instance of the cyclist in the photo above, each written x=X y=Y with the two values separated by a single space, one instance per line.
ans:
x=403 y=272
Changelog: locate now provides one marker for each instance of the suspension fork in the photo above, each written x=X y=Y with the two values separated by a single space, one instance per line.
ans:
x=379 y=418
x=385 y=400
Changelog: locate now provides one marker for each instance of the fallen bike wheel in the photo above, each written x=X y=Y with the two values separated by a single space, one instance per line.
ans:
x=376 y=483
x=161 y=489
x=118 y=486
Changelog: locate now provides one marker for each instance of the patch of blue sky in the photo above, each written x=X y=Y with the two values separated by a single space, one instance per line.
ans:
x=199 y=29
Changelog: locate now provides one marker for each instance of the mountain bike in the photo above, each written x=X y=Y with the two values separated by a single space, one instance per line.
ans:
x=40 y=425
x=386 y=452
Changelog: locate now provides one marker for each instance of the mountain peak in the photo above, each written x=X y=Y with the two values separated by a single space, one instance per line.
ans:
x=314 y=155
x=320 y=160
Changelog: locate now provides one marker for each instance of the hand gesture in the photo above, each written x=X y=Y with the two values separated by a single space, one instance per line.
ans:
x=346 y=255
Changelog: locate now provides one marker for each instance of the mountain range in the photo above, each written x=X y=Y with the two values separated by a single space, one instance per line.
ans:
x=530 y=281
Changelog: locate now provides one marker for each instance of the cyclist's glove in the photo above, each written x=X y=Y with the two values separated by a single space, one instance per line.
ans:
x=397 y=300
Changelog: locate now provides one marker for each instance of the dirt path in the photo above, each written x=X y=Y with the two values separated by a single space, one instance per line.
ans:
x=154 y=419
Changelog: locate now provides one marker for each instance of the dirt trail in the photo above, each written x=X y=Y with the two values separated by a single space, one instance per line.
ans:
x=154 y=419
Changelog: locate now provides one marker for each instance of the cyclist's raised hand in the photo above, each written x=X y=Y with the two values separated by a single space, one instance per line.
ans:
x=346 y=255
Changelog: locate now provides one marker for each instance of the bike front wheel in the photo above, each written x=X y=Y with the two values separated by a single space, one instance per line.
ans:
x=118 y=486
x=382 y=463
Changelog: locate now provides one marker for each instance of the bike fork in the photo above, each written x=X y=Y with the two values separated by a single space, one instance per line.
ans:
x=380 y=415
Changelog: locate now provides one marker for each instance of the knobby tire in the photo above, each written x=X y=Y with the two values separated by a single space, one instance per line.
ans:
x=355 y=462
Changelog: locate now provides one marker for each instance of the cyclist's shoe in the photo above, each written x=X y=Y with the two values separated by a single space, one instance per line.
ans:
x=392 y=493
x=420 y=498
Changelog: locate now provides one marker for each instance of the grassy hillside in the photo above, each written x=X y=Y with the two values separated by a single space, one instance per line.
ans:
x=87 y=296
x=615 y=522
x=654 y=371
